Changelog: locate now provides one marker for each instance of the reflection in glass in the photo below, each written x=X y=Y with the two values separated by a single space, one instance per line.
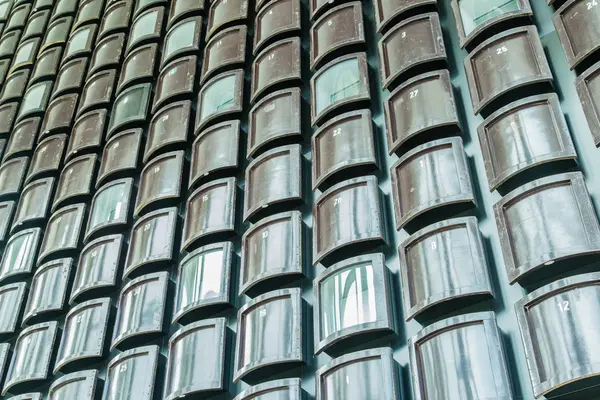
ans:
x=34 y=97
x=18 y=255
x=348 y=299
x=145 y=25
x=477 y=12
x=24 y=53
x=78 y=41
x=132 y=104
x=338 y=82
x=108 y=205
x=218 y=96
x=356 y=381
x=200 y=279
x=180 y=37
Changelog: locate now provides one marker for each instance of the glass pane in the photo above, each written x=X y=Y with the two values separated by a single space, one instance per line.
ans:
x=130 y=105
x=348 y=299
x=182 y=36
x=18 y=254
x=78 y=41
x=356 y=381
x=108 y=205
x=144 y=26
x=476 y=12
x=339 y=82
x=24 y=53
x=34 y=97
x=201 y=278
x=219 y=96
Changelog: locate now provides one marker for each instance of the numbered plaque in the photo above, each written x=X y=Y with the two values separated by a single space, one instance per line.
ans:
x=78 y=385
x=277 y=18
x=31 y=358
x=110 y=207
x=359 y=375
x=203 y=282
x=531 y=240
x=271 y=252
x=220 y=96
x=22 y=138
x=121 y=154
x=97 y=91
x=146 y=26
x=336 y=319
x=117 y=17
x=182 y=38
x=548 y=317
x=272 y=178
x=141 y=309
x=215 y=151
x=420 y=108
x=277 y=63
x=478 y=370
x=197 y=359
x=130 y=107
x=12 y=174
x=152 y=240
x=12 y=298
x=210 y=211
x=285 y=388
x=428 y=177
x=75 y=180
x=345 y=215
x=575 y=21
x=473 y=17
x=63 y=232
x=522 y=135
x=138 y=66
x=339 y=27
x=269 y=335
x=223 y=13
x=175 y=80
x=343 y=143
x=131 y=374
x=34 y=203
x=182 y=8
x=337 y=84
x=226 y=48
x=160 y=180
x=507 y=61
x=59 y=115
x=169 y=127
x=48 y=291
x=443 y=262
x=47 y=157
x=410 y=44
x=588 y=91
x=274 y=119
x=84 y=336
x=97 y=271
x=20 y=254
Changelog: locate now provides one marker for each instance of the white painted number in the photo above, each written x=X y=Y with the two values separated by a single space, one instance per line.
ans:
x=591 y=4
x=271 y=56
x=123 y=368
x=337 y=131
x=564 y=306
x=329 y=23
x=403 y=35
x=156 y=169
x=501 y=50
x=337 y=201
x=433 y=245
x=205 y=197
x=414 y=93
x=265 y=234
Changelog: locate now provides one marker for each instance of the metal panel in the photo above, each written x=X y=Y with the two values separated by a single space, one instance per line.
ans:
x=182 y=8
x=160 y=180
x=345 y=215
x=275 y=64
x=343 y=143
x=71 y=77
x=75 y=386
x=337 y=84
x=75 y=180
x=588 y=90
x=524 y=134
x=89 y=11
x=273 y=178
x=197 y=359
x=506 y=61
x=137 y=99
x=169 y=127
x=175 y=80
x=34 y=203
x=430 y=176
x=141 y=310
x=117 y=17
x=277 y=18
x=575 y=23
x=121 y=154
x=48 y=291
x=22 y=138
x=533 y=234
x=107 y=53
x=11 y=302
x=182 y=38
x=46 y=65
x=282 y=389
x=97 y=91
x=12 y=174
x=271 y=252
x=47 y=157
x=63 y=232
x=59 y=115
x=7 y=209
x=4 y=353
x=443 y=262
x=85 y=334
x=274 y=119
x=57 y=32
x=274 y=318
x=15 y=84
x=31 y=358
x=225 y=49
x=138 y=66
x=474 y=370
x=152 y=240
x=8 y=113
x=27 y=396
x=20 y=254
x=352 y=299
x=98 y=267
x=223 y=13
x=110 y=207
x=203 y=282
x=131 y=374
x=210 y=211
x=359 y=375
